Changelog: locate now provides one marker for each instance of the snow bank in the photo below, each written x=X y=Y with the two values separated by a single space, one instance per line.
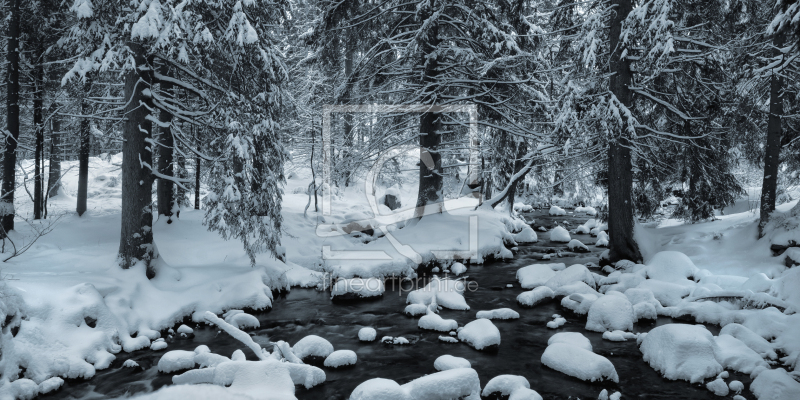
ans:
x=480 y=334
x=690 y=355
x=446 y=362
x=612 y=312
x=579 y=363
x=500 y=313
x=559 y=234
x=535 y=275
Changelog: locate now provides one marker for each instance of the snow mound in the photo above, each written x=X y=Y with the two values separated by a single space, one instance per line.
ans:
x=586 y=210
x=526 y=235
x=241 y=320
x=312 y=345
x=718 y=387
x=394 y=340
x=559 y=234
x=619 y=336
x=448 y=339
x=458 y=268
x=357 y=288
x=445 y=385
x=185 y=329
x=367 y=334
x=534 y=275
x=341 y=358
x=536 y=296
x=176 y=360
x=415 y=309
x=480 y=334
x=557 y=322
x=500 y=313
x=158 y=344
x=775 y=384
x=447 y=293
x=671 y=266
x=602 y=239
x=681 y=351
x=446 y=362
x=735 y=355
x=579 y=363
x=556 y=210
x=612 y=312
x=435 y=322
x=578 y=246
x=571 y=338
x=573 y=273
x=505 y=385
x=751 y=339
x=579 y=303
x=379 y=388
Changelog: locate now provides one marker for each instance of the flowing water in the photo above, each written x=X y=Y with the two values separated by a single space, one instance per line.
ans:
x=302 y=312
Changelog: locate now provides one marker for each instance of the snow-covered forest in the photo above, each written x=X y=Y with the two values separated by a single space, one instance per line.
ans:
x=400 y=200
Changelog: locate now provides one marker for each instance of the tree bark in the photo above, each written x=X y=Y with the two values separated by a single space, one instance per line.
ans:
x=165 y=188
x=348 y=117
x=85 y=149
x=430 y=126
x=38 y=123
x=54 y=178
x=520 y=150
x=769 y=186
x=198 y=161
x=136 y=239
x=622 y=245
x=12 y=118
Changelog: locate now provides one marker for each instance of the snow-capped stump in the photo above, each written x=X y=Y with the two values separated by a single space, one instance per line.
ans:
x=536 y=296
x=602 y=239
x=500 y=313
x=357 y=288
x=691 y=354
x=534 y=275
x=415 y=309
x=130 y=364
x=505 y=385
x=480 y=334
x=571 y=338
x=241 y=319
x=577 y=246
x=176 y=360
x=312 y=345
x=775 y=384
x=448 y=339
x=394 y=340
x=341 y=358
x=760 y=345
x=559 y=234
x=158 y=344
x=379 y=388
x=451 y=384
x=557 y=211
x=612 y=312
x=458 y=268
x=557 y=322
x=619 y=336
x=367 y=334
x=447 y=362
x=434 y=322
x=579 y=363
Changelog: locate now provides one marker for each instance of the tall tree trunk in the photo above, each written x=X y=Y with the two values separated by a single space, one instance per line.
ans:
x=769 y=187
x=430 y=127
x=348 y=117
x=38 y=123
x=12 y=119
x=622 y=245
x=165 y=188
x=198 y=161
x=136 y=239
x=520 y=150
x=54 y=178
x=85 y=148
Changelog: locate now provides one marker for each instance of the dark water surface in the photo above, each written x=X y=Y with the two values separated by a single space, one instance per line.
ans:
x=304 y=312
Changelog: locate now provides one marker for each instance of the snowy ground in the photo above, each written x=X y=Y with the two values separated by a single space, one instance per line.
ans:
x=80 y=309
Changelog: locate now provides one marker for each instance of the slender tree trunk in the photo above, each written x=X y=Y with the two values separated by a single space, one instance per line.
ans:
x=769 y=187
x=622 y=245
x=38 y=123
x=348 y=117
x=12 y=118
x=198 y=161
x=430 y=126
x=520 y=151
x=136 y=239
x=54 y=178
x=85 y=149
x=165 y=188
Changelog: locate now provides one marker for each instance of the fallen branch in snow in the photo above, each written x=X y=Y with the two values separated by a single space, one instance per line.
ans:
x=39 y=233
x=236 y=333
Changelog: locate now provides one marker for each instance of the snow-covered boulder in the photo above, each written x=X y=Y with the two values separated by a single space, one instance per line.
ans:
x=446 y=362
x=586 y=210
x=176 y=360
x=241 y=319
x=718 y=387
x=534 y=275
x=579 y=303
x=526 y=235
x=458 y=268
x=573 y=273
x=668 y=294
x=602 y=239
x=414 y=310
x=536 y=296
x=681 y=351
x=571 y=338
x=579 y=363
x=752 y=340
x=559 y=234
x=367 y=334
x=556 y=210
x=611 y=312
x=340 y=358
x=379 y=388
x=619 y=336
x=671 y=266
x=447 y=293
x=435 y=322
x=557 y=322
x=480 y=334
x=577 y=246
x=500 y=313
x=312 y=346
x=504 y=385
x=451 y=384
x=735 y=355
x=357 y=288
x=775 y=384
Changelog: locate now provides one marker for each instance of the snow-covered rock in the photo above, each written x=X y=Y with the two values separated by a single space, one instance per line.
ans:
x=536 y=296
x=130 y=364
x=775 y=384
x=610 y=313
x=367 y=334
x=534 y=275
x=444 y=385
x=505 y=385
x=185 y=330
x=573 y=273
x=750 y=339
x=447 y=293
x=500 y=313
x=158 y=344
x=736 y=386
x=446 y=362
x=557 y=322
x=176 y=360
x=579 y=303
x=241 y=319
x=586 y=210
x=619 y=336
x=681 y=351
x=571 y=338
x=340 y=358
x=556 y=210
x=480 y=334
x=718 y=387
x=577 y=246
x=602 y=239
x=526 y=235
x=415 y=309
x=670 y=266
x=357 y=288
x=579 y=363
x=379 y=388
x=435 y=322
x=733 y=354
x=312 y=346
x=448 y=339
x=559 y=234
x=458 y=268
